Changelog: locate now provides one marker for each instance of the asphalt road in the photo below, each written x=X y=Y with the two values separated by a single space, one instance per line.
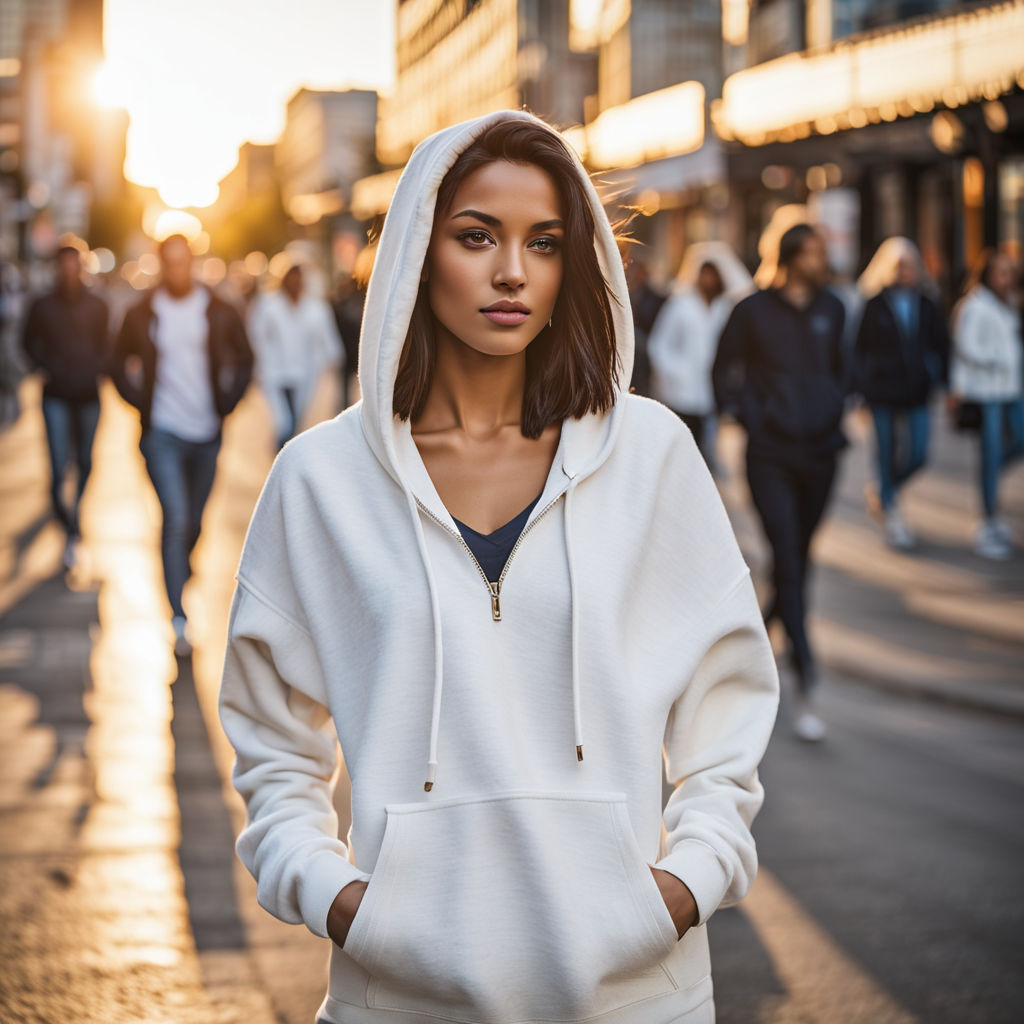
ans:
x=890 y=888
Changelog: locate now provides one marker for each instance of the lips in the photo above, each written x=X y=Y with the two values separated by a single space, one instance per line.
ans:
x=506 y=313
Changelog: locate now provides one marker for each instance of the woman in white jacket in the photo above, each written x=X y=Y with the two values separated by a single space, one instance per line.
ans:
x=684 y=339
x=295 y=338
x=986 y=369
x=508 y=587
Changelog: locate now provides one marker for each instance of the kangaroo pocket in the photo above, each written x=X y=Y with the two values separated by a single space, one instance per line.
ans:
x=516 y=907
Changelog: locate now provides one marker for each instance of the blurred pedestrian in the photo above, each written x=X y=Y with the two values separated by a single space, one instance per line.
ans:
x=66 y=337
x=484 y=557
x=645 y=301
x=295 y=338
x=347 y=305
x=987 y=370
x=780 y=371
x=183 y=360
x=685 y=335
x=901 y=356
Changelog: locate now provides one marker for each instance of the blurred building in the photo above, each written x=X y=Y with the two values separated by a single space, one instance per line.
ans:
x=254 y=173
x=327 y=145
x=646 y=132
x=61 y=154
x=458 y=59
x=895 y=117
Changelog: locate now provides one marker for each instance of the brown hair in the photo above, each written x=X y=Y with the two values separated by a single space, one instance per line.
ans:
x=571 y=366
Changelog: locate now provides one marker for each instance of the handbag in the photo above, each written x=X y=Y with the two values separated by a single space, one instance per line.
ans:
x=966 y=416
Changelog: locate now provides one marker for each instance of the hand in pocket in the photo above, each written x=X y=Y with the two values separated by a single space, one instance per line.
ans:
x=678 y=899
x=343 y=911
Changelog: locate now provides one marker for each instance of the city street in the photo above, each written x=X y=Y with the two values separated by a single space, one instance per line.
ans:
x=890 y=888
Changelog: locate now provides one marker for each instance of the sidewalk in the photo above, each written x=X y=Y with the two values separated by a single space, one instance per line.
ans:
x=937 y=622
x=116 y=886
x=124 y=897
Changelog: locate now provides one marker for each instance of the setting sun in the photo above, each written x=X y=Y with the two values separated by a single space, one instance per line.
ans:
x=199 y=79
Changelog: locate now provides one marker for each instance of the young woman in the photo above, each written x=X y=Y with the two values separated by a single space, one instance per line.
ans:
x=710 y=281
x=507 y=587
x=987 y=369
x=902 y=350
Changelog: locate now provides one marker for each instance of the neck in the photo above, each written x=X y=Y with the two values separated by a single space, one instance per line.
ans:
x=798 y=292
x=471 y=392
x=179 y=293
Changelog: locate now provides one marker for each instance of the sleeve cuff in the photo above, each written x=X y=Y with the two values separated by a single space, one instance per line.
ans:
x=698 y=867
x=324 y=877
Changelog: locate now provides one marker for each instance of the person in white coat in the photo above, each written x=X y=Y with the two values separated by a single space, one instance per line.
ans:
x=295 y=338
x=511 y=590
x=987 y=370
x=684 y=340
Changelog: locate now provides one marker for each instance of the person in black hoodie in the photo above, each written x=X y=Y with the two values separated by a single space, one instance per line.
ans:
x=65 y=336
x=902 y=353
x=183 y=360
x=780 y=371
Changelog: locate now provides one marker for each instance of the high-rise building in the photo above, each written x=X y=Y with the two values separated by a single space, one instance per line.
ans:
x=884 y=118
x=458 y=59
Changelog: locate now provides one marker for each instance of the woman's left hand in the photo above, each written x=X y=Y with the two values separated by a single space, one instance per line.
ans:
x=679 y=900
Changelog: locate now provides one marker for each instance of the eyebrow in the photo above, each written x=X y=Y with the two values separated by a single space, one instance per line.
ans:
x=544 y=225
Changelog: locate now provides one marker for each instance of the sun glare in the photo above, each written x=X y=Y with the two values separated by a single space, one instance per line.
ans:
x=199 y=79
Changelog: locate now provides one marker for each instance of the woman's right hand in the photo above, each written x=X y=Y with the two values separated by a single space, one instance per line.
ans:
x=343 y=910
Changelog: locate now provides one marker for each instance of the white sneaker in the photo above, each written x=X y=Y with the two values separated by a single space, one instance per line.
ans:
x=897 y=534
x=807 y=725
x=991 y=543
x=1002 y=529
x=182 y=644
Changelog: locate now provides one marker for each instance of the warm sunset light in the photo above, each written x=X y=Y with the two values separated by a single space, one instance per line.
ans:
x=199 y=79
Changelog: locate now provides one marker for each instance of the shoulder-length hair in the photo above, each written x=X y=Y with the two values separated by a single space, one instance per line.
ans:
x=571 y=366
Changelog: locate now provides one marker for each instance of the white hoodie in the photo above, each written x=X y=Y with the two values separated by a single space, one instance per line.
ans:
x=987 y=355
x=517 y=888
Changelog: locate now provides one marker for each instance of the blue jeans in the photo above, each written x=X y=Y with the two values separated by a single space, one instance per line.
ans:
x=182 y=473
x=70 y=427
x=899 y=458
x=1002 y=441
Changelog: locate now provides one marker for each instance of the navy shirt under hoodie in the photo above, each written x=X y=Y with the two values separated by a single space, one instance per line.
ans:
x=781 y=371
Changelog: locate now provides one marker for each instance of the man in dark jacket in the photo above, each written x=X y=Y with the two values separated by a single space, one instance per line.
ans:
x=902 y=354
x=779 y=371
x=183 y=360
x=66 y=337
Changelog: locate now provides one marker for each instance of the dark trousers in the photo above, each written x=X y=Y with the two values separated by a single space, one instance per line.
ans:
x=70 y=429
x=182 y=473
x=790 y=498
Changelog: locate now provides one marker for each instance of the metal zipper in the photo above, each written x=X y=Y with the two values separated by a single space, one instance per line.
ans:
x=494 y=589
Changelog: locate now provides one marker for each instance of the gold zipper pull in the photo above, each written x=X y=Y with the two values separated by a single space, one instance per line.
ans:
x=495 y=589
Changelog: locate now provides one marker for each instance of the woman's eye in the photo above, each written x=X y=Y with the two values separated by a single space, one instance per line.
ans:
x=544 y=244
x=474 y=237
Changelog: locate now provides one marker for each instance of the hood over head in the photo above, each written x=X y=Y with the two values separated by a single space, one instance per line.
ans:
x=394 y=285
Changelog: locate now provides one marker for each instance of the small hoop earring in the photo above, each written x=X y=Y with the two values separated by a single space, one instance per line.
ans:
x=551 y=320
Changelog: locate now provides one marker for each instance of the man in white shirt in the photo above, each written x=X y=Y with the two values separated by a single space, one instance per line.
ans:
x=295 y=338
x=184 y=361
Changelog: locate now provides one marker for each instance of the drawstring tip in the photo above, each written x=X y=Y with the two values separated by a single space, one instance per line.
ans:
x=579 y=752
x=431 y=776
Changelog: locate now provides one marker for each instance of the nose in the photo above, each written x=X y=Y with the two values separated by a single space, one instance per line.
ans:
x=510 y=270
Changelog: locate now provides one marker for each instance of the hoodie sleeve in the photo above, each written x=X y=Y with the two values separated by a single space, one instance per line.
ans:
x=272 y=709
x=716 y=734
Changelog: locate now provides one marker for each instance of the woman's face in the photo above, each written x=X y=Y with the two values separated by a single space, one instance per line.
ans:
x=494 y=265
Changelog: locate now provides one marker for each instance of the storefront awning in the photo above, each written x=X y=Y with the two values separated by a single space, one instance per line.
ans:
x=912 y=68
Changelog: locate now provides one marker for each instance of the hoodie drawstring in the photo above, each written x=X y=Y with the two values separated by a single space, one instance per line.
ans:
x=577 y=716
x=435 y=611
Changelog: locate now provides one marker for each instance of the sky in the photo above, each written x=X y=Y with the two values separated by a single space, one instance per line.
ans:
x=200 y=77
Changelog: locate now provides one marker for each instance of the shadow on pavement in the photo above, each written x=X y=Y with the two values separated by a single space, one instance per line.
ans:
x=206 y=851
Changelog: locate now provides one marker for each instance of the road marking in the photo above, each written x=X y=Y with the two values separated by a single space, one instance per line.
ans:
x=822 y=983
